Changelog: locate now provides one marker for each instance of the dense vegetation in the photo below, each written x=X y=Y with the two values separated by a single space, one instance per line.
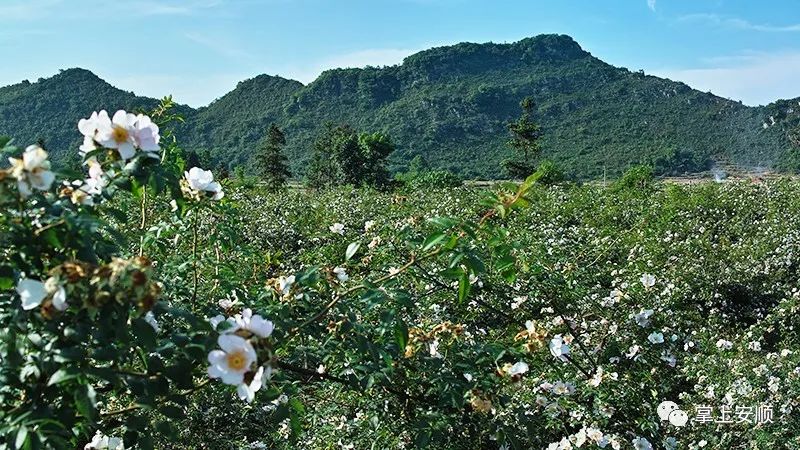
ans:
x=451 y=105
x=149 y=306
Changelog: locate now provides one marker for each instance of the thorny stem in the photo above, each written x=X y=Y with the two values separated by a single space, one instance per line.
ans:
x=144 y=220
x=577 y=340
x=57 y=223
x=195 y=226
x=216 y=268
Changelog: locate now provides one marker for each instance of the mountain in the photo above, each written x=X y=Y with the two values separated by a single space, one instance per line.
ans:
x=49 y=109
x=450 y=105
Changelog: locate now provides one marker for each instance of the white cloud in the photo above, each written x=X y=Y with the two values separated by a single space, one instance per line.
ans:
x=753 y=78
x=741 y=24
x=651 y=4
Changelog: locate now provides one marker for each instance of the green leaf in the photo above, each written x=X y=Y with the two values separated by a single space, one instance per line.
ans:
x=144 y=332
x=61 y=376
x=401 y=334
x=433 y=240
x=22 y=437
x=86 y=401
x=444 y=223
x=463 y=287
x=146 y=442
x=172 y=411
x=528 y=183
x=6 y=283
x=281 y=413
x=51 y=236
x=351 y=250
x=181 y=374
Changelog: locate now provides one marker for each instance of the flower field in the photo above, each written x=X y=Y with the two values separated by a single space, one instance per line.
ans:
x=151 y=305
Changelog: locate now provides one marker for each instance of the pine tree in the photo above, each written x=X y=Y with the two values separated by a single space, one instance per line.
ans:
x=270 y=162
x=525 y=137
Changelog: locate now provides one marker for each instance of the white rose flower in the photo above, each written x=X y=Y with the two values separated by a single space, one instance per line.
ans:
x=643 y=317
x=341 y=274
x=656 y=338
x=594 y=434
x=285 y=284
x=218 y=319
x=32 y=171
x=150 y=318
x=561 y=388
x=724 y=344
x=88 y=128
x=337 y=228
x=580 y=437
x=632 y=352
x=433 y=349
x=232 y=362
x=31 y=292
x=558 y=347
x=518 y=369
x=202 y=181
x=146 y=135
x=253 y=323
x=641 y=443
x=648 y=280
x=96 y=182
x=597 y=378
x=119 y=133
x=103 y=442
x=247 y=392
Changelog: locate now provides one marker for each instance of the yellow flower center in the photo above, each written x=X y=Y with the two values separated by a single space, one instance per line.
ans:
x=120 y=135
x=236 y=360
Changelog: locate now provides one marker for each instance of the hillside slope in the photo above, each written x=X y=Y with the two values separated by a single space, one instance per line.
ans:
x=449 y=104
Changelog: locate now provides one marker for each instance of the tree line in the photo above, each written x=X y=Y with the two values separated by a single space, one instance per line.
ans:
x=341 y=155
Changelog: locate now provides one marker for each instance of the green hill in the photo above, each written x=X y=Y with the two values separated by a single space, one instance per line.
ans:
x=449 y=104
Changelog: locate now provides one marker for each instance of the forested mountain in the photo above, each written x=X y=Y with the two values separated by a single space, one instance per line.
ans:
x=450 y=105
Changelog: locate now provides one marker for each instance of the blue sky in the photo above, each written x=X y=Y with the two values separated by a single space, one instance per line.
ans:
x=199 y=49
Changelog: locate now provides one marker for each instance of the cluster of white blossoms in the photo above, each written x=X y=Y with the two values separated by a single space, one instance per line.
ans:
x=559 y=347
x=83 y=192
x=587 y=436
x=337 y=228
x=124 y=132
x=103 y=442
x=201 y=183
x=33 y=292
x=236 y=362
x=648 y=280
x=32 y=171
x=516 y=370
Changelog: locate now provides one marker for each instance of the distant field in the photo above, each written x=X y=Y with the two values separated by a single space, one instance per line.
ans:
x=724 y=258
